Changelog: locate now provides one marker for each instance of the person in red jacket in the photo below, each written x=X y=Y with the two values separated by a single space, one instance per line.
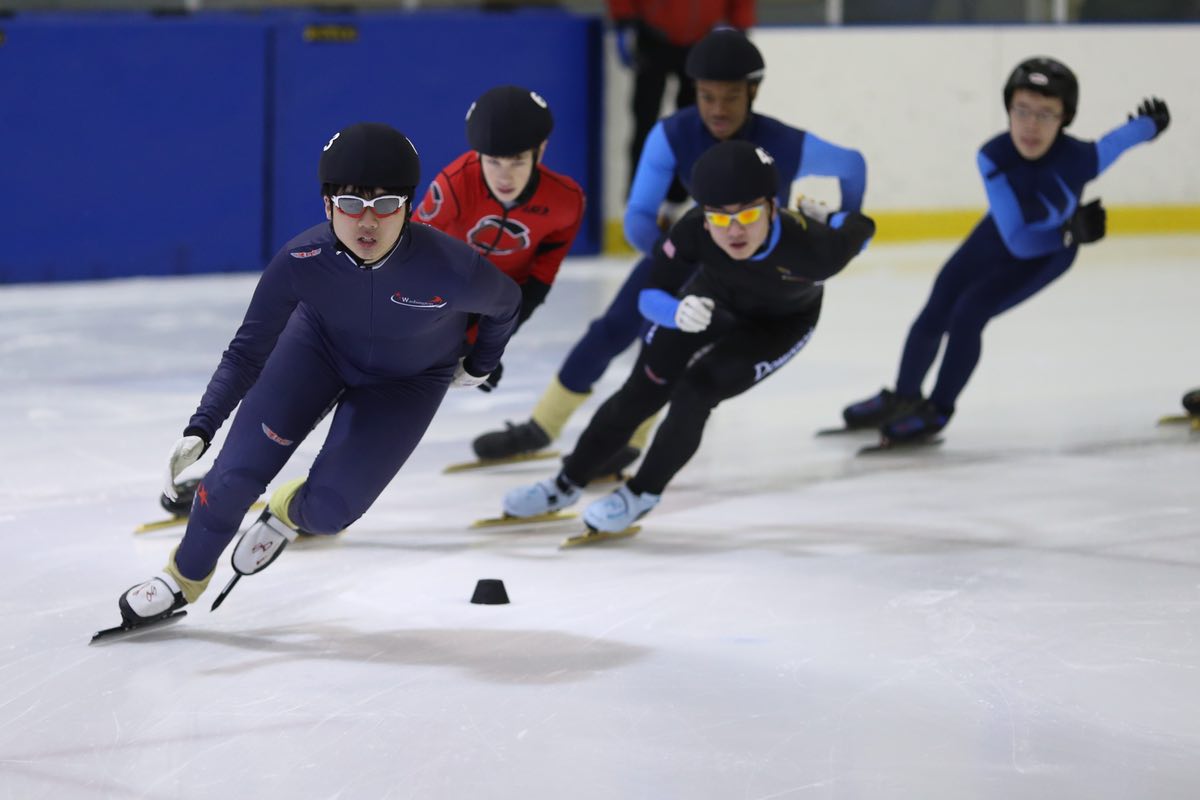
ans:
x=654 y=38
x=501 y=200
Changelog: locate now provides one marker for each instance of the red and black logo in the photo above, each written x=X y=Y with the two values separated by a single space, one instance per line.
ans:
x=494 y=235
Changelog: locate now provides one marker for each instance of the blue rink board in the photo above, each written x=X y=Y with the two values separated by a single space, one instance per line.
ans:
x=133 y=146
x=143 y=145
x=420 y=73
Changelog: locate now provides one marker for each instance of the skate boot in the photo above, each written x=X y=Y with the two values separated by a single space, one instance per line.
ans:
x=1191 y=402
x=922 y=423
x=183 y=506
x=618 y=461
x=150 y=601
x=261 y=544
x=875 y=411
x=542 y=497
x=619 y=510
x=514 y=440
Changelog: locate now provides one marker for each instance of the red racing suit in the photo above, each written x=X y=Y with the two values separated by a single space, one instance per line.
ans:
x=527 y=241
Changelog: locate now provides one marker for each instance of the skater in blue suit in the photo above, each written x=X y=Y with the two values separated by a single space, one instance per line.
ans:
x=1034 y=175
x=366 y=310
x=728 y=69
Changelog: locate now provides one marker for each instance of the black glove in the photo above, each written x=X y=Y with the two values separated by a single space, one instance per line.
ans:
x=1088 y=224
x=493 y=380
x=1156 y=110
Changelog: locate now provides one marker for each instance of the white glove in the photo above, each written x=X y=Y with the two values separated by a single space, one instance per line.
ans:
x=693 y=314
x=813 y=208
x=187 y=451
x=465 y=380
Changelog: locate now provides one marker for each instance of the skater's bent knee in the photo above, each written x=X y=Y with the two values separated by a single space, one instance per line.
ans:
x=321 y=511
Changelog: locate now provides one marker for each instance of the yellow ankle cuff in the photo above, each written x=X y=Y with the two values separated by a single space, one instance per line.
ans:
x=282 y=498
x=191 y=589
x=556 y=406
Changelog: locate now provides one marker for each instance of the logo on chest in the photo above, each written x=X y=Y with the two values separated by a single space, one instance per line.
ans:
x=786 y=274
x=497 y=236
x=401 y=299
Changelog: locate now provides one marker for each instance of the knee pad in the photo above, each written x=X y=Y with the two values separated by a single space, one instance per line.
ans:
x=321 y=511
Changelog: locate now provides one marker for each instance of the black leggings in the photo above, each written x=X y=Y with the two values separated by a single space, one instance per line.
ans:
x=657 y=58
x=694 y=372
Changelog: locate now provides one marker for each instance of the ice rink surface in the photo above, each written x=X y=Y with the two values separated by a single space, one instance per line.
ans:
x=1015 y=614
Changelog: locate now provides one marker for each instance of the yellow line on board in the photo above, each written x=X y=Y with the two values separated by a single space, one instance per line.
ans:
x=933 y=224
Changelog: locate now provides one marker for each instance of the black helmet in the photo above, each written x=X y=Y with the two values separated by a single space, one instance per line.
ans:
x=725 y=55
x=1045 y=76
x=370 y=154
x=508 y=120
x=734 y=172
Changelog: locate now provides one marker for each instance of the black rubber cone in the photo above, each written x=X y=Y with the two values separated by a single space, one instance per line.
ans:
x=490 y=592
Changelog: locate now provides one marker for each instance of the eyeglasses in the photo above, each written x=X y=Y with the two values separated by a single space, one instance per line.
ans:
x=744 y=217
x=1041 y=117
x=383 y=206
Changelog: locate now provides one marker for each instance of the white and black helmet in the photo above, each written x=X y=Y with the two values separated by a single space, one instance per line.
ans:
x=732 y=173
x=368 y=155
x=508 y=120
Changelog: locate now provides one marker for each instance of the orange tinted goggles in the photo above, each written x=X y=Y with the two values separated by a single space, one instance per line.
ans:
x=744 y=217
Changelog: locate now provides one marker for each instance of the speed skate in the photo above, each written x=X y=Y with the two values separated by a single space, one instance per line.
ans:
x=510 y=521
x=484 y=463
x=591 y=536
x=127 y=631
x=1181 y=419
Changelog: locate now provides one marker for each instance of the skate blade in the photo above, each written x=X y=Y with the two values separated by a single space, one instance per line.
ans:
x=510 y=522
x=484 y=463
x=886 y=446
x=1180 y=419
x=845 y=431
x=595 y=537
x=122 y=632
x=158 y=525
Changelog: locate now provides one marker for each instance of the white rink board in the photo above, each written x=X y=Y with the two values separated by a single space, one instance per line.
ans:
x=918 y=102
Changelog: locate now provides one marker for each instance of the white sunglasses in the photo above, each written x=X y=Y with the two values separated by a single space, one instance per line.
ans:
x=383 y=206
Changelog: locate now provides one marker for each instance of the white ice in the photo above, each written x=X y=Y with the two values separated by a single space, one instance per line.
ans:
x=1015 y=614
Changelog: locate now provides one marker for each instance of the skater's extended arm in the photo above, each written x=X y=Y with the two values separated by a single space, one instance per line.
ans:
x=676 y=259
x=836 y=243
x=1151 y=120
x=272 y=304
x=497 y=299
x=655 y=170
x=846 y=164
